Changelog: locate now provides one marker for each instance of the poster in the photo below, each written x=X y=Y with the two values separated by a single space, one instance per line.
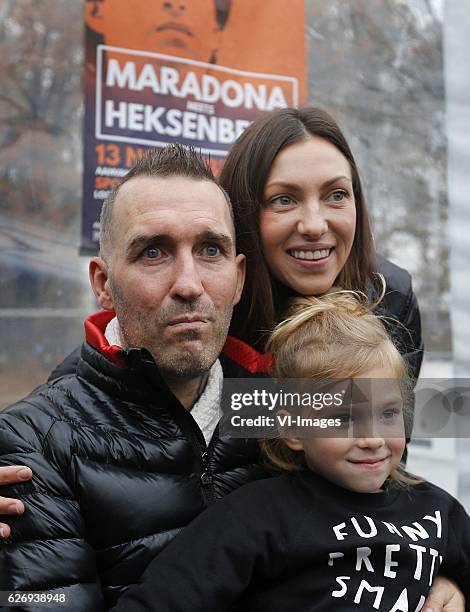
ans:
x=197 y=72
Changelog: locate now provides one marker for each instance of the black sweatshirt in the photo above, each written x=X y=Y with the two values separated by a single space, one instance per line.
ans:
x=300 y=543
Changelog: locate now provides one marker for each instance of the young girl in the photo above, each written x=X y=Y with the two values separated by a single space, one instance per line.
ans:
x=344 y=527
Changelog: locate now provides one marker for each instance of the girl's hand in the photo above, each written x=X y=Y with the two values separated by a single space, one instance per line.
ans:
x=444 y=596
x=12 y=475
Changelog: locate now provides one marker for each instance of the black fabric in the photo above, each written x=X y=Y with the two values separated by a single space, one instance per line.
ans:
x=399 y=306
x=119 y=468
x=301 y=543
x=67 y=366
x=400 y=309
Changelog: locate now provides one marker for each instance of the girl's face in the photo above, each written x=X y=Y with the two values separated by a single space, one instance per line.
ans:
x=361 y=464
x=308 y=220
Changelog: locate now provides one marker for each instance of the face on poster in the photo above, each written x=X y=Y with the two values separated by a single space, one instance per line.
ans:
x=164 y=72
x=186 y=28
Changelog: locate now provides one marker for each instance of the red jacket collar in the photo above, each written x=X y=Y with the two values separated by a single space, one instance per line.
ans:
x=236 y=350
x=246 y=356
x=95 y=326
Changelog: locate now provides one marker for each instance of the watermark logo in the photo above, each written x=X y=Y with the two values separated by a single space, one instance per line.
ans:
x=267 y=407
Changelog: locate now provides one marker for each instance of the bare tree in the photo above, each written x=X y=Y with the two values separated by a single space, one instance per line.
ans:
x=379 y=68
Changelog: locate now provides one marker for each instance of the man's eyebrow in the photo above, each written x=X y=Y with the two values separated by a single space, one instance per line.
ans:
x=140 y=242
x=144 y=240
x=209 y=235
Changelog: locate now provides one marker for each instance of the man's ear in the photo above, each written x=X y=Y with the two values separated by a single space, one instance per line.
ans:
x=240 y=260
x=99 y=279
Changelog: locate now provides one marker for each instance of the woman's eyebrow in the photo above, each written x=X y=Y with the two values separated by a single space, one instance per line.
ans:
x=336 y=179
x=281 y=184
x=290 y=185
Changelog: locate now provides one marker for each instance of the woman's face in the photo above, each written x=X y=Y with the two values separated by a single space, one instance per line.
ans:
x=308 y=219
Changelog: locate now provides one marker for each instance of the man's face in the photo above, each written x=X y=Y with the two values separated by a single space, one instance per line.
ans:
x=173 y=277
x=185 y=28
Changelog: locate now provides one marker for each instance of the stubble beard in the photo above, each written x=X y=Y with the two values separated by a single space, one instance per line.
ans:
x=188 y=354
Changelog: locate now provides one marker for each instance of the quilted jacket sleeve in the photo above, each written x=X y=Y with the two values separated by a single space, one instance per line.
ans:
x=400 y=305
x=411 y=335
x=47 y=550
x=211 y=563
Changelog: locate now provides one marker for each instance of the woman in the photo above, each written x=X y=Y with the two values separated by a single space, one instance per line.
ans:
x=302 y=223
x=297 y=195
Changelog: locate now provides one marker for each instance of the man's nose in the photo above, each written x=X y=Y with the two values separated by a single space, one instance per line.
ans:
x=312 y=222
x=175 y=9
x=187 y=282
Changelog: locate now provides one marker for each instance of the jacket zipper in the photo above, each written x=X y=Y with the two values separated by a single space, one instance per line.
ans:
x=196 y=438
x=207 y=479
x=202 y=450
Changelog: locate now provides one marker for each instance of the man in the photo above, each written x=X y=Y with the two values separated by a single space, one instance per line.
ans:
x=124 y=453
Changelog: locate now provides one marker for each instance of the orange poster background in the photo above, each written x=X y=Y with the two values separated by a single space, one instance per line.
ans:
x=258 y=36
x=267 y=36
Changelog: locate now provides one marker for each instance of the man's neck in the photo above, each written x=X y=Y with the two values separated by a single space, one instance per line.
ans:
x=186 y=391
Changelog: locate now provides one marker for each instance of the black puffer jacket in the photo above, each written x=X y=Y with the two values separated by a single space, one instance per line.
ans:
x=119 y=467
x=400 y=307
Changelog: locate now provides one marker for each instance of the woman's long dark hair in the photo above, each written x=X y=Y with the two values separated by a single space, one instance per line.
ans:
x=244 y=176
